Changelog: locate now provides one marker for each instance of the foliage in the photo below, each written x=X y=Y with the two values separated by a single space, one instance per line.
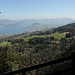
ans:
x=34 y=48
x=8 y=59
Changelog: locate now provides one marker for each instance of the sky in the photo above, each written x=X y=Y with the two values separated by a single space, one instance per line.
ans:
x=37 y=9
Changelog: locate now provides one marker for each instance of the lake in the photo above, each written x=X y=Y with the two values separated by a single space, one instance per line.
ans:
x=14 y=29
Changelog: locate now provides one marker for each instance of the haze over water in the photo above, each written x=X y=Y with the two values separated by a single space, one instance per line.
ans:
x=14 y=29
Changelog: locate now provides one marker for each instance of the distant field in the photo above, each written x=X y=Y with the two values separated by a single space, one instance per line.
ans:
x=55 y=35
x=5 y=43
x=74 y=37
x=26 y=39
x=34 y=36
x=5 y=35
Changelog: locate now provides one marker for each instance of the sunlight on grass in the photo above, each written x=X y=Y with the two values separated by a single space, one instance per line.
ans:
x=55 y=35
x=5 y=43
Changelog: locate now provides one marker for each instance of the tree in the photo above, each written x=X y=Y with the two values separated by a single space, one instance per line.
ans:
x=68 y=35
x=9 y=60
x=4 y=67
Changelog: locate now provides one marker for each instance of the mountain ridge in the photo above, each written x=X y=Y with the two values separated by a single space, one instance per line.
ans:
x=57 y=21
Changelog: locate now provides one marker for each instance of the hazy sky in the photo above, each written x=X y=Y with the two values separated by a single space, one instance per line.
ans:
x=36 y=9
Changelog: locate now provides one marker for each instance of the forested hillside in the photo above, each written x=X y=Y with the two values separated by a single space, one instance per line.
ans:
x=28 y=49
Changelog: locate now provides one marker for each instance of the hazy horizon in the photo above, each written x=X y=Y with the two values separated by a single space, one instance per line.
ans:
x=37 y=18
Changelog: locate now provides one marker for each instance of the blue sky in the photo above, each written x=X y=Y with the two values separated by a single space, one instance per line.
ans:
x=37 y=9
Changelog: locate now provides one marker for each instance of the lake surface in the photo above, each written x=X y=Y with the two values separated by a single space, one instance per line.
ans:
x=14 y=29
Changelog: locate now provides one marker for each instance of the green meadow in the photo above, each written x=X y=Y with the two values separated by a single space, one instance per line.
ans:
x=55 y=35
x=5 y=43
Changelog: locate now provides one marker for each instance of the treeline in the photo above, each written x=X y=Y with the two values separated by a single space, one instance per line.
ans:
x=38 y=50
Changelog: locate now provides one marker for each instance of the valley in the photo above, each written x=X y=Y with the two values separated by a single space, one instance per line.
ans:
x=19 y=26
x=32 y=48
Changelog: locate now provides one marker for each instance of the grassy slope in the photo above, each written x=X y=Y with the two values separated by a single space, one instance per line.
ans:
x=5 y=35
x=55 y=35
x=5 y=43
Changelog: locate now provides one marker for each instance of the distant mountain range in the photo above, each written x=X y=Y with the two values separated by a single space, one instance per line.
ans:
x=41 y=22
